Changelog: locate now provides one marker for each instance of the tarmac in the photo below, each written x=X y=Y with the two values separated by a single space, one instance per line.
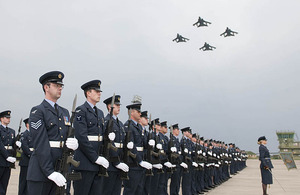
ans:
x=246 y=182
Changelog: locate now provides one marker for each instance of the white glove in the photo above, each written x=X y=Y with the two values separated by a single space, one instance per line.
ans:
x=159 y=146
x=123 y=167
x=11 y=159
x=151 y=142
x=173 y=149
x=146 y=165
x=18 y=143
x=102 y=161
x=186 y=150
x=184 y=165
x=204 y=154
x=130 y=145
x=198 y=152
x=158 y=166
x=168 y=164
x=214 y=155
x=112 y=136
x=195 y=164
x=72 y=143
x=173 y=166
x=58 y=178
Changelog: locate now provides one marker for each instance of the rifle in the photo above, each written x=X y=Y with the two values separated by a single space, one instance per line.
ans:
x=186 y=158
x=127 y=152
x=107 y=143
x=67 y=158
x=16 y=148
x=156 y=138
x=150 y=151
x=173 y=156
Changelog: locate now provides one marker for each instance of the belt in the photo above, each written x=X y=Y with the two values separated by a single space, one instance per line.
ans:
x=95 y=138
x=267 y=158
x=31 y=149
x=140 y=149
x=56 y=144
x=119 y=145
x=8 y=147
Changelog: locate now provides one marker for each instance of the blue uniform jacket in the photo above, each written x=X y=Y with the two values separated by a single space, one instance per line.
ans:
x=164 y=141
x=138 y=140
x=26 y=141
x=46 y=125
x=176 y=144
x=7 y=139
x=87 y=123
x=186 y=145
x=118 y=129
x=264 y=157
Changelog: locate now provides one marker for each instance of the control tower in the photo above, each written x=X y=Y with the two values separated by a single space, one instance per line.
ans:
x=287 y=142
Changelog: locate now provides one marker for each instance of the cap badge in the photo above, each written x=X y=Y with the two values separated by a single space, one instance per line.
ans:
x=59 y=76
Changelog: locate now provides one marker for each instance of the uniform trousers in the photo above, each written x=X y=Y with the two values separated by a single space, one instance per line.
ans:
x=175 y=181
x=194 y=180
x=186 y=184
x=41 y=187
x=112 y=185
x=134 y=186
x=23 y=181
x=163 y=183
x=155 y=182
x=90 y=184
x=4 y=178
x=147 y=185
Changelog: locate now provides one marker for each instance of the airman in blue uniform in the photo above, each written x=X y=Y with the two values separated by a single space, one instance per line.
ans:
x=187 y=159
x=157 y=167
x=163 y=180
x=176 y=176
x=49 y=124
x=7 y=142
x=89 y=129
x=265 y=165
x=144 y=121
x=27 y=148
x=137 y=165
x=112 y=184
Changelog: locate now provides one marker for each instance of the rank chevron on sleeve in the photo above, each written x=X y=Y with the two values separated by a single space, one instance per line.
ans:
x=36 y=125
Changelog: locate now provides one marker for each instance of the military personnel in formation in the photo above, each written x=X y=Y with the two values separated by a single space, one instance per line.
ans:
x=186 y=147
x=89 y=129
x=7 y=142
x=176 y=175
x=137 y=165
x=157 y=167
x=144 y=121
x=163 y=180
x=49 y=124
x=27 y=148
x=113 y=183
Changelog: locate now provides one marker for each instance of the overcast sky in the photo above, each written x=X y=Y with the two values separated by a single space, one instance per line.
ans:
x=246 y=88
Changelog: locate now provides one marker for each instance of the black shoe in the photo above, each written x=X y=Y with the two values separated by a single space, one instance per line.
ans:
x=204 y=190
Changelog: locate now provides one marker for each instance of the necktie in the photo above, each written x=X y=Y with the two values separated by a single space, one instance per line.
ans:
x=56 y=108
x=96 y=111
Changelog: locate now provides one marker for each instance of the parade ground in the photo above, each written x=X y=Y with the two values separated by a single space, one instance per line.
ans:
x=247 y=182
